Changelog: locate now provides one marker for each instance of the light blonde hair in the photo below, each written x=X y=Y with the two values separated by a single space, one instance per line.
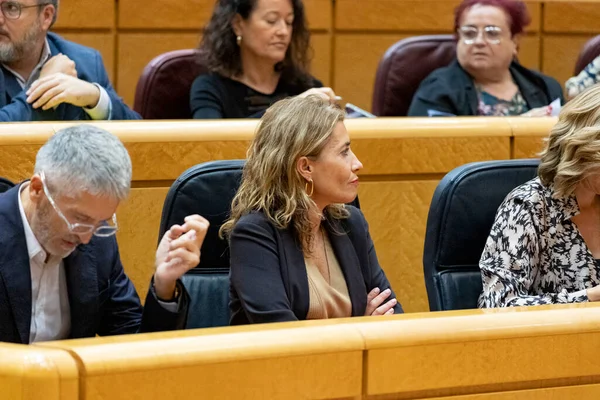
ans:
x=290 y=129
x=572 y=150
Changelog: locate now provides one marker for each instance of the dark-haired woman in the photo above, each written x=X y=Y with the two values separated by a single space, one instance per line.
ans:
x=257 y=53
x=485 y=79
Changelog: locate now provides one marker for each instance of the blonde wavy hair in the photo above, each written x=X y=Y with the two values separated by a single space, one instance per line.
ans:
x=572 y=150
x=290 y=129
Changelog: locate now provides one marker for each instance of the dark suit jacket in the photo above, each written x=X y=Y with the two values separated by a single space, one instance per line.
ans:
x=268 y=280
x=451 y=90
x=90 y=68
x=102 y=299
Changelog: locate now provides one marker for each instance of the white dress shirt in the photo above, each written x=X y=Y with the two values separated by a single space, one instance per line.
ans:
x=50 y=310
x=101 y=111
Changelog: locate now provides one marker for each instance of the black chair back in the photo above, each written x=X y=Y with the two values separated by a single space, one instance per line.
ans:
x=461 y=215
x=207 y=189
x=5 y=184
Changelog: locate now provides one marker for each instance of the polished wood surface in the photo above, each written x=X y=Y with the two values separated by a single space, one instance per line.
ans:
x=404 y=159
x=29 y=373
x=543 y=352
x=349 y=36
x=321 y=362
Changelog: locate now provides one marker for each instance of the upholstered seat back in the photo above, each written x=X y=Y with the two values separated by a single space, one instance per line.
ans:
x=404 y=66
x=206 y=189
x=461 y=215
x=163 y=90
x=588 y=53
x=5 y=184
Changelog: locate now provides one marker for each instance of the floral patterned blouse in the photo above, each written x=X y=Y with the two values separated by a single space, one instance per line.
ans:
x=535 y=253
x=490 y=105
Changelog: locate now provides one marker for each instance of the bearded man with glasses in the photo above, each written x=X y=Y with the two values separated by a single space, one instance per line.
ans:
x=60 y=271
x=486 y=79
x=45 y=77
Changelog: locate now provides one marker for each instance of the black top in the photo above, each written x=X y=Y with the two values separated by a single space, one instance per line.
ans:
x=268 y=280
x=214 y=97
x=451 y=90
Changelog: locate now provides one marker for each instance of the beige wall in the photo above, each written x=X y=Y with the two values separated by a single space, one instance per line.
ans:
x=349 y=36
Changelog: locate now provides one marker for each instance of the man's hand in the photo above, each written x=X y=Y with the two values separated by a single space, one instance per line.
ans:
x=177 y=253
x=59 y=63
x=52 y=90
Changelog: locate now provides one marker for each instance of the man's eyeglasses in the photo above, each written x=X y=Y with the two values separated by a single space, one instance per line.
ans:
x=491 y=34
x=106 y=229
x=12 y=9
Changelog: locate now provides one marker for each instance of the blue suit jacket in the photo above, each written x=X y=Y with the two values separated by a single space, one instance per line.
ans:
x=90 y=68
x=102 y=299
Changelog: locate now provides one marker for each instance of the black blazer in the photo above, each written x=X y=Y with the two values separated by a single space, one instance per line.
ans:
x=268 y=280
x=451 y=90
x=102 y=299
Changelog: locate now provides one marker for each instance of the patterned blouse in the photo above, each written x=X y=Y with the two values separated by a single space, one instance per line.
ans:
x=586 y=78
x=491 y=106
x=535 y=253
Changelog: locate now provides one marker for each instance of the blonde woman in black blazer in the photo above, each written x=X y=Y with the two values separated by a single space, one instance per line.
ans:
x=297 y=252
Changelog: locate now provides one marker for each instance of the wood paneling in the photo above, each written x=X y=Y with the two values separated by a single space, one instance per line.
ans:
x=569 y=16
x=194 y=14
x=356 y=59
x=407 y=15
x=160 y=14
x=529 y=52
x=398 y=234
x=377 y=15
x=449 y=355
x=103 y=42
x=318 y=14
x=86 y=14
x=138 y=224
x=557 y=49
x=254 y=365
x=28 y=373
x=136 y=50
x=321 y=63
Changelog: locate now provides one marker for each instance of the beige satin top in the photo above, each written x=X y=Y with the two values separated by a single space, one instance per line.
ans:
x=328 y=293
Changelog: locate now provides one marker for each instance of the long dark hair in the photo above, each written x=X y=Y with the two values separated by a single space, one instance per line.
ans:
x=221 y=54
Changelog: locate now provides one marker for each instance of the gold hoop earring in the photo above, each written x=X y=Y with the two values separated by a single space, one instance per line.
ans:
x=312 y=187
x=238 y=40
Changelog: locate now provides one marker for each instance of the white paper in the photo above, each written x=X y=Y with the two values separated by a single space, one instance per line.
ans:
x=555 y=107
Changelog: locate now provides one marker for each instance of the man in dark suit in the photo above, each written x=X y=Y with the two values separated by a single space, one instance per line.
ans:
x=45 y=77
x=60 y=271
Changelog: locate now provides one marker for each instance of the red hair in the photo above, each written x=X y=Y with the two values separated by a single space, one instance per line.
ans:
x=516 y=11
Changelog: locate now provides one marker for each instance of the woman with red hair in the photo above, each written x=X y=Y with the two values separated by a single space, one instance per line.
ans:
x=485 y=78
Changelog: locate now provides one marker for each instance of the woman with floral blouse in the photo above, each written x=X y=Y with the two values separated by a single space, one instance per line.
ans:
x=588 y=77
x=544 y=246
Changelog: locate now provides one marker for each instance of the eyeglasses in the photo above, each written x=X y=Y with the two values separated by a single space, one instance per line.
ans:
x=12 y=9
x=491 y=34
x=104 y=230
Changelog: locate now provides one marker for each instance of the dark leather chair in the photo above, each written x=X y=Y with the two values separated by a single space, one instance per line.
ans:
x=404 y=66
x=207 y=189
x=461 y=215
x=590 y=50
x=5 y=184
x=163 y=90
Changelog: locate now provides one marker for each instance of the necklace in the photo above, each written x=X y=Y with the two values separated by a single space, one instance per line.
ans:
x=326 y=258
